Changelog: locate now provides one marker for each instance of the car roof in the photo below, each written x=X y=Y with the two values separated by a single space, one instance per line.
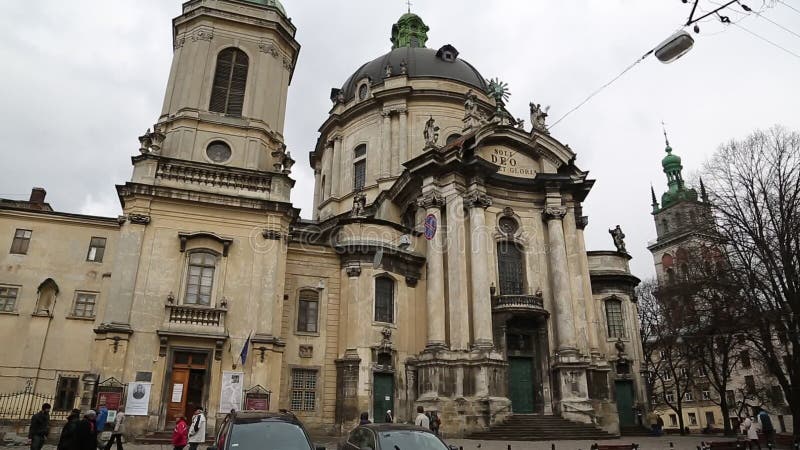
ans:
x=379 y=427
x=263 y=416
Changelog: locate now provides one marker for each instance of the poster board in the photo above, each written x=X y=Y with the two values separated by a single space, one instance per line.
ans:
x=256 y=401
x=231 y=395
x=138 y=399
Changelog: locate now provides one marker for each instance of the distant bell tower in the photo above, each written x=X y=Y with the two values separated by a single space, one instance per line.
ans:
x=682 y=219
x=225 y=100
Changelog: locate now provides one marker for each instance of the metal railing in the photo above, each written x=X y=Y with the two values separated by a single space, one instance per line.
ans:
x=20 y=406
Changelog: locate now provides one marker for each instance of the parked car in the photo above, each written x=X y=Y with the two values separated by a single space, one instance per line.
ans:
x=392 y=436
x=259 y=430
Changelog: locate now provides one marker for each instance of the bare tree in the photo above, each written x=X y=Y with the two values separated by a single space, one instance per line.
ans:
x=754 y=186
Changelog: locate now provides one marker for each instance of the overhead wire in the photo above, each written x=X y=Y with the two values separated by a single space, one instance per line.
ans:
x=789 y=6
x=767 y=40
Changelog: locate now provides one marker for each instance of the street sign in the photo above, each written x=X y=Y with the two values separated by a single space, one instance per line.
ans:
x=430 y=226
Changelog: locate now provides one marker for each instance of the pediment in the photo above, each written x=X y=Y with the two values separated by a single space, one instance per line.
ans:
x=519 y=155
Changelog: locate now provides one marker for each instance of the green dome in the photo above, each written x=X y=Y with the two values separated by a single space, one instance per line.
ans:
x=271 y=3
x=670 y=161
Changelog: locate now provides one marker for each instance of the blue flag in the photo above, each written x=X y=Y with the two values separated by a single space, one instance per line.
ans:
x=245 y=349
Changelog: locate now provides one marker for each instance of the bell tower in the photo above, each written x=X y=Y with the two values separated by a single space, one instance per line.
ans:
x=225 y=100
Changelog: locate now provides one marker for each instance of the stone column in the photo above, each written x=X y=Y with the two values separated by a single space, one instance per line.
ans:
x=395 y=156
x=337 y=160
x=317 y=193
x=433 y=202
x=126 y=268
x=559 y=274
x=457 y=278
x=403 y=139
x=476 y=202
x=386 y=133
x=329 y=179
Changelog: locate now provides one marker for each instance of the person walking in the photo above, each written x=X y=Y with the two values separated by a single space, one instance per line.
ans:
x=766 y=426
x=436 y=422
x=364 y=419
x=180 y=435
x=118 y=431
x=750 y=431
x=67 y=440
x=422 y=420
x=659 y=426
x=86 y=432
x=197 y=429
x=40 y=427
x=652 y=420
x=388 y=418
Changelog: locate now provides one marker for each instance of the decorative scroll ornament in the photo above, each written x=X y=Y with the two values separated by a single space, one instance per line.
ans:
x=554 y=212
x=139 y=219
x=477 y=200
x=431 y=200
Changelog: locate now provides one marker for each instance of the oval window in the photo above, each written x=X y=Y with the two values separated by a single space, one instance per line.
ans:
x=218 y=151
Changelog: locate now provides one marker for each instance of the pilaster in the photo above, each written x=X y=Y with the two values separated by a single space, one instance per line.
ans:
x=126 y=268
x=476 y=203
x=432 y=202
x=559 y=275
x=457 y=286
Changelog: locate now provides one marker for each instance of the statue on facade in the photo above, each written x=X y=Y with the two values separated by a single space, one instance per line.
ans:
x=472 y=117
x=359 y=204
x=387 y=71
x=520 y=123
x=538 y=117
x=431 y=133
x=618 y=237
x=403 y=67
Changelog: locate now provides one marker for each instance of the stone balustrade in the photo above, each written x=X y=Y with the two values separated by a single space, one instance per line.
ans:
x=195 y=318
x=522 y=302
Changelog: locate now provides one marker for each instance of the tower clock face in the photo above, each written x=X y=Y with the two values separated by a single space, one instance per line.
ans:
x=218 y=151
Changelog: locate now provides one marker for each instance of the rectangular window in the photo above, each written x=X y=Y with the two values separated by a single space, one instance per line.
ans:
x=692 y=419
x=21 y=240
x=730 y=397
x=84 y=304
x=673 y=420
x=745 y=359
x=616 y=329
x=307 y=307
x=384 y=300
x=667 y=375
x=706 y=395
x=200 y=278
x=750 y=384
x=304 y=390
x=97 y=247
x=66 y=392
x=710 y=417
x=359 y=174
x=670 y=397
x=684 y=372
x=776 y=396
x=688 y=396
x=8 y=298
x=662 y=354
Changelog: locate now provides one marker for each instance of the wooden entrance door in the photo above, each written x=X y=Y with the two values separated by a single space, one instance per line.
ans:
x=624 y=393
x=520 y=384
x=186 y=389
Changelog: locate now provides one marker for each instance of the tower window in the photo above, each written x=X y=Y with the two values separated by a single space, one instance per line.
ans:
x=510 y=266
x=218 y=151
x=307 y=311
x=616 y=325
x=230 y=78
x=384 y=300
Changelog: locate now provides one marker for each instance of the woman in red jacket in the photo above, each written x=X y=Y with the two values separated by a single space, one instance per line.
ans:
x=180 y=435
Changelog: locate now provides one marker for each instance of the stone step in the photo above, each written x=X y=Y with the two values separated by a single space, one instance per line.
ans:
x=541 y=428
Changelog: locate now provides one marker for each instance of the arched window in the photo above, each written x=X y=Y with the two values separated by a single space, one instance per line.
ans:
x=230 y=78
x=47 y=292
x=200 y=278
x=307 y=308
x=359 y=167
x=616 y=325
x=510 y=266
x=384 y=300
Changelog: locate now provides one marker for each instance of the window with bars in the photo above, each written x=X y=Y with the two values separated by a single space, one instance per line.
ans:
x=304 y=389
x=616 y=326
x=22 y=238
x=307 y=308
x=8 y=298
x=66 y=392
x=84 y=304
x=230 y=78
x=200 y=278
x=384 y=300
x=509 y=267
x=97 y=247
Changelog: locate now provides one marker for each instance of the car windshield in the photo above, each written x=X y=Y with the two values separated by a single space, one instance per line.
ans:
x=410 y=440
x=268 y=435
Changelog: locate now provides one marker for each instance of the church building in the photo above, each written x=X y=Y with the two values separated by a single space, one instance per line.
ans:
x=444 y=264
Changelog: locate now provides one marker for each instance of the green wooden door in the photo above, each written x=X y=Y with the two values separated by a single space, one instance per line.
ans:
x=382 y=396
x=520 y=384
x=624 y=390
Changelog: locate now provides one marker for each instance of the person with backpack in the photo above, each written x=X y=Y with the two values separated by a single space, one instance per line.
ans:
x=197 y=429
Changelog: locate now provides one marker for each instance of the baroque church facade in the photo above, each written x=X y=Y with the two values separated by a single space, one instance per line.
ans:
x=444 y=264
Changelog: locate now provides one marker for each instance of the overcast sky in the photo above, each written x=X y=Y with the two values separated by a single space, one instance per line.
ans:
x=81 y=80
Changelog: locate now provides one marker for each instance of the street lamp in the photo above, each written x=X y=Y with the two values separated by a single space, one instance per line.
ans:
x=674 y=47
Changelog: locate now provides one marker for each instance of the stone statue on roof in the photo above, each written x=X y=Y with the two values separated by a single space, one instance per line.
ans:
x=431 y=133
x=619 y=239
x=538 y=117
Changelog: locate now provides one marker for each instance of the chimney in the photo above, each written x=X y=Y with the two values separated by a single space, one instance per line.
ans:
x=37 y=195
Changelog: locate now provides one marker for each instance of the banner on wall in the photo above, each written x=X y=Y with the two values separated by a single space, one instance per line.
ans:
x=231 y=396
x=138 y=398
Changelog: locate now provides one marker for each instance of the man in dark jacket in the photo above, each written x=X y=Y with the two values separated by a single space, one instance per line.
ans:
x=40 y=427
x=67 y=439
x=86 y=432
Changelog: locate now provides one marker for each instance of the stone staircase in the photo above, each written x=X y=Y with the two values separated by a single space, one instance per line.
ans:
x=531 y=427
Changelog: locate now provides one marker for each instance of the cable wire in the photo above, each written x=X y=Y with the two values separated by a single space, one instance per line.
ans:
x=777 y=24
x=767 y=40
x=789 y=6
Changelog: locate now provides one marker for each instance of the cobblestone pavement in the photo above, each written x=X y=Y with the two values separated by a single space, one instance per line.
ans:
x=645 y=443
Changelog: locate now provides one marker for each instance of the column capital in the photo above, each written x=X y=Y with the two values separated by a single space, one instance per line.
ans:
x=477 y=200
x=431 y=200
x=387 y=113
x=581 y=222
x=554 y=212
x=141 y=219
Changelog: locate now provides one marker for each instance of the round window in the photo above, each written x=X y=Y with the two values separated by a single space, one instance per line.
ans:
x=362 y=91
x=508 y=225
x=218 y=151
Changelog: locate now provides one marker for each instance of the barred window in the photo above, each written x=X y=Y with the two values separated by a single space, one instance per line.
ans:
x=66 y=392
x=230 y=78
x=22 y=238
x=97 y=247
x=510 y=267
x=307 y=308
x=304 y=390
x=384 y=300
x=8 y=298
x=616 y=326
x=84 y=304
x=200 y=278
